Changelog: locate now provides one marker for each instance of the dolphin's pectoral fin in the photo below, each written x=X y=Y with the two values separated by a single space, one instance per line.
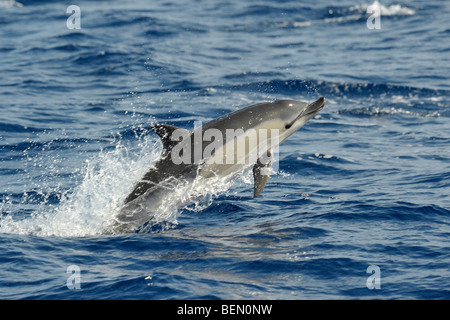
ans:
x=261 y=174
x=166 y=132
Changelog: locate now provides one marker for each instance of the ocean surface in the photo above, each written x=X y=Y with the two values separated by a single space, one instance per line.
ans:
x=358 y=208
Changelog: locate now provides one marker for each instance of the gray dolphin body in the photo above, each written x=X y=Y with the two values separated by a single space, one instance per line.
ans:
x=208 y=152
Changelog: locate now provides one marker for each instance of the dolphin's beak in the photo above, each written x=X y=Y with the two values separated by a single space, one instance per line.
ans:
x=310 y=111
x=314 y=107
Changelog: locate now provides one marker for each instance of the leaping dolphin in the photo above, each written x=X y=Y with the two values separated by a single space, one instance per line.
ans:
x=220 y=148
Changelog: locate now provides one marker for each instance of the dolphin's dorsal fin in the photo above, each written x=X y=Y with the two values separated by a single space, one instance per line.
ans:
x=165 y=132
x=261 y=173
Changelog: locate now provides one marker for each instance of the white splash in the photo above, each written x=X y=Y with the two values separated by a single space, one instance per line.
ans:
x=396 y=10
x=391 y=10
x=88 y=209
x=359 y=12
x=10 y=3
x=107 y=179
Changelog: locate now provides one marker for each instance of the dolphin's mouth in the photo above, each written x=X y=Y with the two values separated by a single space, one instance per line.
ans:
x=310 y=110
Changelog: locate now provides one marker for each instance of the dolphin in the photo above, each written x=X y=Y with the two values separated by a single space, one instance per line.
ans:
x=221 y=148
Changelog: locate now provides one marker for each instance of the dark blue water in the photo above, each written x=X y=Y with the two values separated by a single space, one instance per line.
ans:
x=365 y=183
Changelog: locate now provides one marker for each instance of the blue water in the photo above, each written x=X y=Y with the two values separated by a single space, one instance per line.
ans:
x=364 y=183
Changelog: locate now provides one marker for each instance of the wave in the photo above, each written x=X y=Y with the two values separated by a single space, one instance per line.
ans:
x=365 y=99
x=10 y=127
x=257 y=82
x=397 y=211
x=333 y=88
x=392 y=10
x=356 y=13
x=306 y=16
x=386 y=111
x=10 y=3
x=359 y=99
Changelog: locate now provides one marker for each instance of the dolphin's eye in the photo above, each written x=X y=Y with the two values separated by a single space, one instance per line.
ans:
x=288 y=126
